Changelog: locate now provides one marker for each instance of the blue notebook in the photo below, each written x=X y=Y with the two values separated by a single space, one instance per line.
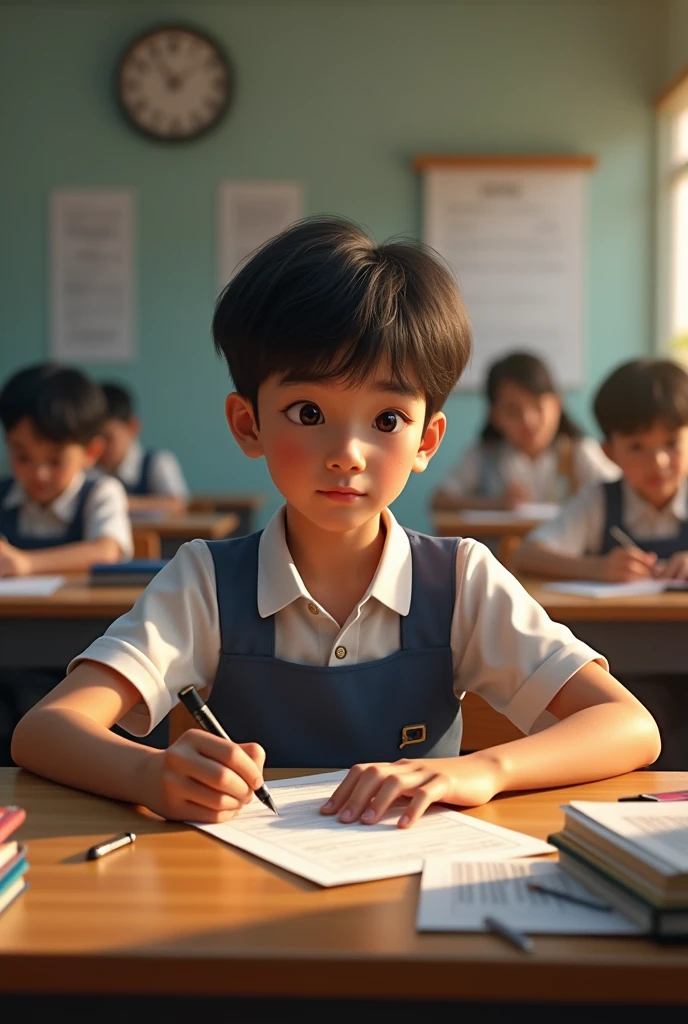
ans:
x=136 y=573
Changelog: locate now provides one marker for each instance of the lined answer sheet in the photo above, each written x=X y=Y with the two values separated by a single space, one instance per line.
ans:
x=456 y=896
x=327 y=852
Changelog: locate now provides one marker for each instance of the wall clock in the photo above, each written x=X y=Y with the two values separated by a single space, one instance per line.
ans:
x=174 y=83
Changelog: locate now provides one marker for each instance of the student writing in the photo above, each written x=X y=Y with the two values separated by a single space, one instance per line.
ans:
x=335 y=637
x=54 y=515
x=529 y=450
x=642 y=409
x=152 y=479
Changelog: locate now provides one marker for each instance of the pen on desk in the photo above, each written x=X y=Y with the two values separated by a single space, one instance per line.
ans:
x=623 y=538
x=194 y=703
x=516 y=938
x=569 y=897
x=109 y=845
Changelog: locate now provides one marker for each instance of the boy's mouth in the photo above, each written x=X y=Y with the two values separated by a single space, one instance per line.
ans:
x=346 y=494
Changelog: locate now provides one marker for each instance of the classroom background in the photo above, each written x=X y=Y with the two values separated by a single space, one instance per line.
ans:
x=339 y=97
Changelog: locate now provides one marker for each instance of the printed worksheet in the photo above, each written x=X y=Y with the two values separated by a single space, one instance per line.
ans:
x=456 y=896
x=327 y=852
x=30 y=586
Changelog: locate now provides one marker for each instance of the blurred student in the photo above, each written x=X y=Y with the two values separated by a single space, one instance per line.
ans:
x=54 y=515
x=642 y=410
x=530 y=450
x=153 y=479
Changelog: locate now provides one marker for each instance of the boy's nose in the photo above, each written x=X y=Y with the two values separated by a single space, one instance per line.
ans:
x=347 y=456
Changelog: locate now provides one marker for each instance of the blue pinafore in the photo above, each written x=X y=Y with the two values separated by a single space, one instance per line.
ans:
x=142 y=485
x=665 y=548
x=307 y=716
x=9 y=522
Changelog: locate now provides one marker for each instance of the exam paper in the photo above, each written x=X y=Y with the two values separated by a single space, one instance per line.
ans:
x=642 y=588
x=535 y=510
x=327 y=852
x=455 y=896
x=30 y=586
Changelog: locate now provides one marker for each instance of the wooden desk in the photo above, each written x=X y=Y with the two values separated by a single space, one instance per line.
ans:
x=244 y=505
x=45 y=632
x=505 y=528
x=180 y=914
x=176 y=530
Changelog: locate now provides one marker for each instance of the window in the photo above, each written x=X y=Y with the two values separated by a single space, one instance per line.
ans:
x=672 y=306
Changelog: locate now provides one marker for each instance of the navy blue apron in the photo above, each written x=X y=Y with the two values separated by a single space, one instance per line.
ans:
x=9 y=522
x=142 y=485
x=314 y=716
x=613 y=496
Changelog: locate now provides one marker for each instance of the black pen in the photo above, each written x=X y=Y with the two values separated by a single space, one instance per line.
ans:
x=123 y=839
x=569 y=897
x=194 y=703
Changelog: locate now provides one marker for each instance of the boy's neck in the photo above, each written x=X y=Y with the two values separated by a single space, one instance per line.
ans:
x=658 y=505
x=336 y=568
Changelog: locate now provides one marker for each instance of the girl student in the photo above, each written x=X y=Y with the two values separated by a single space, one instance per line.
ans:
x=530 y=450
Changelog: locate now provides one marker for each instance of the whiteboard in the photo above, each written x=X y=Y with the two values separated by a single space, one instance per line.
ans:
x=514 y=237
x=92 y=275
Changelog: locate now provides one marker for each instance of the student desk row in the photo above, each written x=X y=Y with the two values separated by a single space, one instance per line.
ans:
x=504 y=528
x=173 y=531
x=244 y=506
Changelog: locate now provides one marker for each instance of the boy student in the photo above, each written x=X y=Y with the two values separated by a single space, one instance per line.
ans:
x=153 y=479
x=335 y=637
x=642 y=410
x=54 y=515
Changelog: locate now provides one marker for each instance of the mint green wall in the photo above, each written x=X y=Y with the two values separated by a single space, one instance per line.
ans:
x=340 y=96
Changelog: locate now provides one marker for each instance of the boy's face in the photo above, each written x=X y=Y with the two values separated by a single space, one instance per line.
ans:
x=653 y=461
x=46 y=468
x=338 y=454
x=117 y=437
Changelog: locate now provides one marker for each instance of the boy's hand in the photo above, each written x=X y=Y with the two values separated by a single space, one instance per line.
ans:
x=13 y=561
x=369 y=790
x=626 y=565
x=514 y=494
x=675 y=568
x=202 y=777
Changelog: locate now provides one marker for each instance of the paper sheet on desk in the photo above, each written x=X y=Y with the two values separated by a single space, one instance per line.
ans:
x=455 y=896
x=30 y=586
x=323 y=850
x=588 y=588
x=540 y=510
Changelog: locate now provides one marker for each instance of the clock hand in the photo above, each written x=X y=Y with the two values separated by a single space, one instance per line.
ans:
x=171 y=81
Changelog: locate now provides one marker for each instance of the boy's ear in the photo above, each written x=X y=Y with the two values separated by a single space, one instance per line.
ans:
x=135 y=425
x=242 y=422
x=432 y=438
x=93 y=451
x=608 y=449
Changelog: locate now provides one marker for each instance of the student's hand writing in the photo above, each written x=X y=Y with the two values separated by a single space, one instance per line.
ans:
x=369 y=790
x=675 y=568
x=202 y=777
x=625 y=565
x=13 y=561
x=514 y=494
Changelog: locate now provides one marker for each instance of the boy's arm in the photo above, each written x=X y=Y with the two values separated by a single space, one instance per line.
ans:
x=64 y=558
x=603 y=731
x=67 y=737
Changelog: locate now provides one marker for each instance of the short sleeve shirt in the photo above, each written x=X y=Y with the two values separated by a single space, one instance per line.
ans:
x=504 y=645
x=165 y=473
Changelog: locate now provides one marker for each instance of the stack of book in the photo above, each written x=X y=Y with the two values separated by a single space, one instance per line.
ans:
x=13 y=862
x=635 y=857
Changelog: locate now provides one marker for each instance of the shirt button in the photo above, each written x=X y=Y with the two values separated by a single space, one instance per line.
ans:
x=312 y=609
x=340 y=652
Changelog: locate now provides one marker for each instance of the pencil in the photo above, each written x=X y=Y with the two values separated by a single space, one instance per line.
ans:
x=623 y=538
x=560 y=894
x=512 y=935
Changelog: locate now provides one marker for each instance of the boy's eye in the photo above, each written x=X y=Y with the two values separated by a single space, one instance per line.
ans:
x=389 y=422
x=306 y=413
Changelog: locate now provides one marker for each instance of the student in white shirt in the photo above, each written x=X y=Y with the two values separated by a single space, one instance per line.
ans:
x=335 y=637
x=153 y=479
x=55 y=515
x=530 y=450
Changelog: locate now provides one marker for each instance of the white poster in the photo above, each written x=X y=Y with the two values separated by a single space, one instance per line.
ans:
x=91 y=276
x=515 y=239
x=250 y=213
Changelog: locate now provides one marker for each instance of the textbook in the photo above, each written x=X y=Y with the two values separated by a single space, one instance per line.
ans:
x=13 y=862
x=136 y=573
x=635 y=856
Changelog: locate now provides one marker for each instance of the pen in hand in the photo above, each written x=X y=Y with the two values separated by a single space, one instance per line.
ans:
x=194 y=703
x=623 y=538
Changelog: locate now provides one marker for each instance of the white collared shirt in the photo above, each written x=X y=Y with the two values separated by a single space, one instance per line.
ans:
x=579 y=527
x=105 y=512
x=539 y=475
x=165 y=475
x=504 y=645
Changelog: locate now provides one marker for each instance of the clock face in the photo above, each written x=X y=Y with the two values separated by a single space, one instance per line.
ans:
x=174 y=83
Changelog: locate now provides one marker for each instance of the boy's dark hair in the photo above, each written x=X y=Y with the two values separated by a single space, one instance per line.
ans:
x=533 y=375
x=322 y=301
x=640 y=393
x=63 y=405
x=120 y=404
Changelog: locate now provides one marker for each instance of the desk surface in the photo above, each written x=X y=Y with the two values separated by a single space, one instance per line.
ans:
x=181 y=913
x=226 y=502
x=667 y=607
x=75 y=600
x=456 y=524
x=206 y=525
